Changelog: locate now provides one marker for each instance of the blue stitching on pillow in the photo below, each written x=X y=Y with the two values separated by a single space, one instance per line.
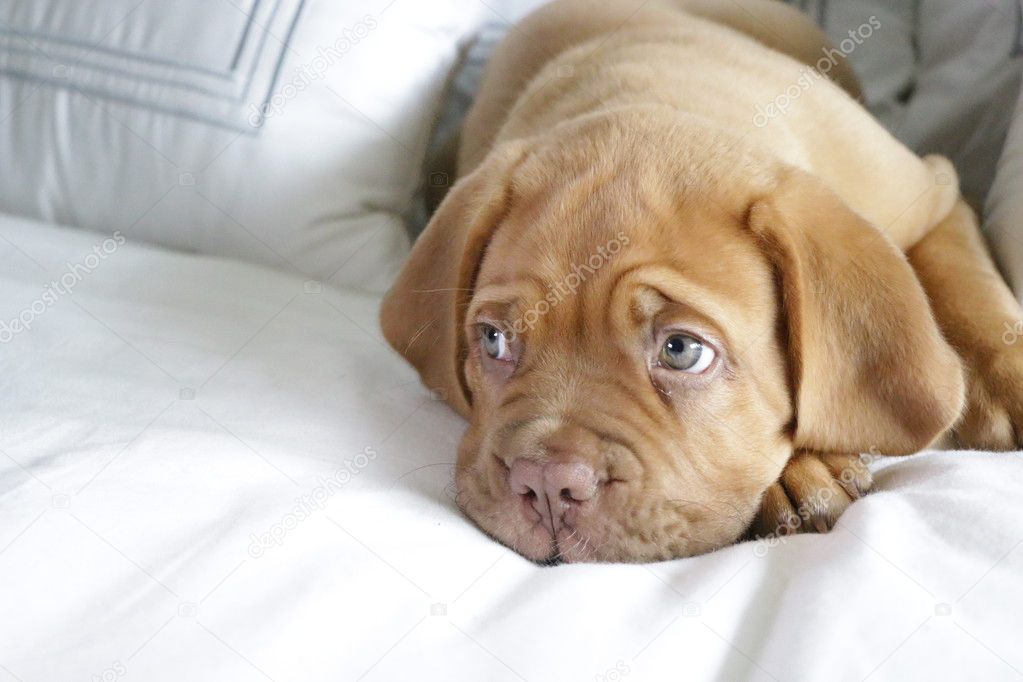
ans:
x=141 y=56
x=245 y=35
x=102 y=68
x=148 y=106
x=83 y=45
x=280 y=61
x=113 y=71
x=175 y=111
x=285 y=45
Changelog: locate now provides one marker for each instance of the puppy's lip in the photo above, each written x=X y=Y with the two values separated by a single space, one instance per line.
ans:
x=536 y=544
x=534 y=539
x=553 y=560
x=541 y=551
x=557 y=556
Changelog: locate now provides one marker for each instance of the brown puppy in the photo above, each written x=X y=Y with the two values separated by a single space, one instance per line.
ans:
x=669 y=313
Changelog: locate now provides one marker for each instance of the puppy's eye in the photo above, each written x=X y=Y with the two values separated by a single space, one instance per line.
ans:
x=686 y=353
x=494 y=342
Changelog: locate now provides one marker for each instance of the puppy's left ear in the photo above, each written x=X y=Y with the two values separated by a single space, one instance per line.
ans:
x=870 y=368
x=422 y=315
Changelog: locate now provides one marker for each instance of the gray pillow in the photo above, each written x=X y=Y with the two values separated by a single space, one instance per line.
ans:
x=926 y=78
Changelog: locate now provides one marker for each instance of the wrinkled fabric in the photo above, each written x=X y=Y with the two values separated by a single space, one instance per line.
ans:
x=214 y=471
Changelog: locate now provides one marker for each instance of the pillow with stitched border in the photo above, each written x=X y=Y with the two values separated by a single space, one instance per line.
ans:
x=285 y=132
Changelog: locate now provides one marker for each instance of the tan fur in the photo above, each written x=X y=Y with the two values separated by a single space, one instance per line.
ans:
x=623 y=133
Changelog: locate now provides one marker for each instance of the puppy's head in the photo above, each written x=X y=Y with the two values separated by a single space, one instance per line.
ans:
x=641 y=341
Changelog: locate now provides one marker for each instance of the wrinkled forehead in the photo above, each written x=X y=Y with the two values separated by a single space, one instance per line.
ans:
x=603 y=249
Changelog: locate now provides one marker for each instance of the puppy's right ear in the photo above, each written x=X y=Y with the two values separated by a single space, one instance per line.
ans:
x=423 y=314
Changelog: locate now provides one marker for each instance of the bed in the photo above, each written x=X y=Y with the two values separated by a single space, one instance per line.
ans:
x=213 y=468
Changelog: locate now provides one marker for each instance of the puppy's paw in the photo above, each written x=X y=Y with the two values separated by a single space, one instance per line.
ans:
x=993 y=416
x=813 y=491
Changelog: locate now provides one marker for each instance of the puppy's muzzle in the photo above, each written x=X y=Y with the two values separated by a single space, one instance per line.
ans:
x=554 y=493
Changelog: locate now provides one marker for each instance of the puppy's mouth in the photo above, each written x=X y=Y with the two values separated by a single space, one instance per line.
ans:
x=536 y=544
x=555 y=501
x=553 y=560
x=553 y=510
x=549 y=510
x=567 y=546
x=544 y=538
x=599 y=536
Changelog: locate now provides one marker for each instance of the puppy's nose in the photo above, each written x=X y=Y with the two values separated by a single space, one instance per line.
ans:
x=554 y=488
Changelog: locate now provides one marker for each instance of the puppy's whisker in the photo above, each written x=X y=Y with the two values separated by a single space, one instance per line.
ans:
x=580 y=541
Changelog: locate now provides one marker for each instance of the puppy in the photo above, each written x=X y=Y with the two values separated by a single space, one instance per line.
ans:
x=674 y=314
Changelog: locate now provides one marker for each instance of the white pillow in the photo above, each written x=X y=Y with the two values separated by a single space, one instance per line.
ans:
x=286 y=132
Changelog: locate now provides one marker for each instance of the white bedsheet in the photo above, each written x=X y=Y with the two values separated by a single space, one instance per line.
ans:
x=161 y=424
